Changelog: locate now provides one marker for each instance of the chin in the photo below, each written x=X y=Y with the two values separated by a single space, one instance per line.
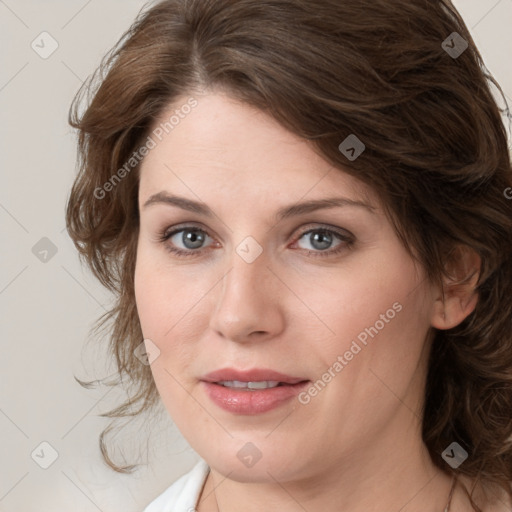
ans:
x=244 y=462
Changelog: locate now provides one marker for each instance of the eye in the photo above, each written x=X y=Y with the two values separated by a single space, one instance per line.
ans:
x=191 y=239
x=321 y=240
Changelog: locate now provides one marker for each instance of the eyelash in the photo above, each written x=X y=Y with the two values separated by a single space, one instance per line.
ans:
x=347 y=241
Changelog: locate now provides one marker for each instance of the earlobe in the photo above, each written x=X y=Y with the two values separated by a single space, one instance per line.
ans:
x=458 y=297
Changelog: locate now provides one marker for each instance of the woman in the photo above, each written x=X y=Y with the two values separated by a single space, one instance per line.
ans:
x=302 y=209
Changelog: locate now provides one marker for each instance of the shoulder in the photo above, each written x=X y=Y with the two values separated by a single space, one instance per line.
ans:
x=183 y=494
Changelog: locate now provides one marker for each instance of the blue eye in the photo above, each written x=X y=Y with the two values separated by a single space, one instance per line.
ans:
x=321 y=239
x=193 y=238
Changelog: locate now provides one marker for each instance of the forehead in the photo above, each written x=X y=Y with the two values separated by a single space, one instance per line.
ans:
x=225 y=148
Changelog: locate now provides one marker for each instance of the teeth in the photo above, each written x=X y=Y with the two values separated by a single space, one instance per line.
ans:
x=264 y=384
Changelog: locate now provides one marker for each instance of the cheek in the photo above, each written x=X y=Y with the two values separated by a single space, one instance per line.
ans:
x=147 y=295
x=367 y=299
x=164 y=320
x=165 y=297
x=380 y=317
x=173 y=307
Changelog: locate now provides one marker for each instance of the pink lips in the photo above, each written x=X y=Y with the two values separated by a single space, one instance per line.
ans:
x=245 y=401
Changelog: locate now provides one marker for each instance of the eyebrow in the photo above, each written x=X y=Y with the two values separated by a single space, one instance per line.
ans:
x=283 y=213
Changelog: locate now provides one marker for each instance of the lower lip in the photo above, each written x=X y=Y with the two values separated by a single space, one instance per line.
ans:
x=252 y=402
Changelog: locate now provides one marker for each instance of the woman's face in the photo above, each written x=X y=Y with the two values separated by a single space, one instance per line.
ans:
x=323 y=293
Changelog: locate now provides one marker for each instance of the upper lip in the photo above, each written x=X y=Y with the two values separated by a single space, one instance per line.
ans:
x=254 y=375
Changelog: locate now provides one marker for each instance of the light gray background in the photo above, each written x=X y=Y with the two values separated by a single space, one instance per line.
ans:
x=48 y=307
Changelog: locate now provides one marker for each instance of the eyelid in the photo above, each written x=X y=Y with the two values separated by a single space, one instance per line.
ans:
x=182 y=226
x=318 y=226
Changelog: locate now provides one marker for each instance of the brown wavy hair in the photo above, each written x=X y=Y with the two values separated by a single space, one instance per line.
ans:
x=436 y=154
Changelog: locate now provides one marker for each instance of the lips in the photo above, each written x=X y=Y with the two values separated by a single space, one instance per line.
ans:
x=255 y=375
x=251 y=392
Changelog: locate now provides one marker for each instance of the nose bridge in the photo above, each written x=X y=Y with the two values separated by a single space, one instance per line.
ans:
x=246 y=301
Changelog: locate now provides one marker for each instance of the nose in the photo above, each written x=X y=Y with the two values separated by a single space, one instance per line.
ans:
x=248 y=302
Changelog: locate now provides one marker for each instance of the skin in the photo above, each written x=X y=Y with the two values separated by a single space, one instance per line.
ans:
x=356 y=446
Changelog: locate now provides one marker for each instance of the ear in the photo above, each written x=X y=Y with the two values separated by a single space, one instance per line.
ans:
x=458 y=296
